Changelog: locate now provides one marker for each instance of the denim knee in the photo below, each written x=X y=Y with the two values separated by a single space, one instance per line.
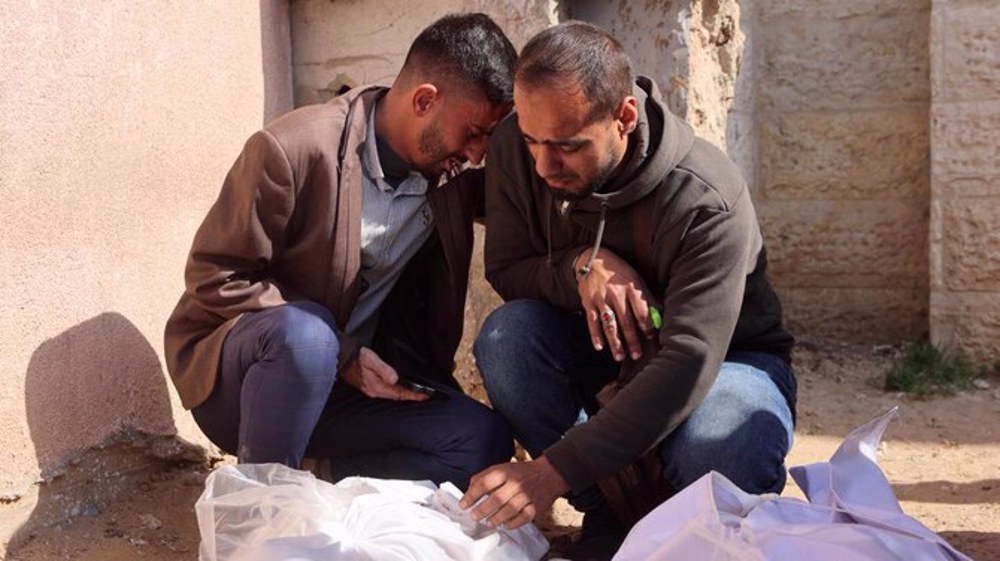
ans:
x=504 y=349
x=753 y=463
x=743 y=430
x=502 y=331
x=300 y=326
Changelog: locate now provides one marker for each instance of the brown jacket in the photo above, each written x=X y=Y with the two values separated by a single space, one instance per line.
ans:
x=287 y=227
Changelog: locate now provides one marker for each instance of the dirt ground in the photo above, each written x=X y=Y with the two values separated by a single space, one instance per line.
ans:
x=942 y=457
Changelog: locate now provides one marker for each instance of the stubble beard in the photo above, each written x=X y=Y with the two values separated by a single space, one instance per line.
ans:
x=590 y=187
x=432 y=150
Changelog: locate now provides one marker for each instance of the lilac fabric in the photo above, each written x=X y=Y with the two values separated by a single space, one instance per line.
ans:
x=851 y=514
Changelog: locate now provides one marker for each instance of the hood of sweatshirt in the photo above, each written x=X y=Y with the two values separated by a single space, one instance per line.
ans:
x=659 y=143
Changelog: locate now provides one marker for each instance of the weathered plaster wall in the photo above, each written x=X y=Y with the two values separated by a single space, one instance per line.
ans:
x=117 y=123
x=353 y=42
x=691 y=48
x=965 y=178
x=841 y=119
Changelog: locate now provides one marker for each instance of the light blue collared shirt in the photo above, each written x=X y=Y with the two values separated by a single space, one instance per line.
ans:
x=395 y=223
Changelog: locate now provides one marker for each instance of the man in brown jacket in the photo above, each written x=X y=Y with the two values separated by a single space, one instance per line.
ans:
x=331 y=273
x=602 y=206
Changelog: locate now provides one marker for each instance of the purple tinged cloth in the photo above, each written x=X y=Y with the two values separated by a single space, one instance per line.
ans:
x=852 y=514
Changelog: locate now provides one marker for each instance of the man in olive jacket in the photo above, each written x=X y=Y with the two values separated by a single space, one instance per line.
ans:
x=333 y=264
x=617 y=238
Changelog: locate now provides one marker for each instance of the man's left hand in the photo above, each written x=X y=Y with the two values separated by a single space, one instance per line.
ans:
x=615 y=300
x=515 y=492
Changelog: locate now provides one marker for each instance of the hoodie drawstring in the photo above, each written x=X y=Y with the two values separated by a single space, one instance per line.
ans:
x=585 y=270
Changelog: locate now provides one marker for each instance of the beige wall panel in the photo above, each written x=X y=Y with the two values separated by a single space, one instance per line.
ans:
x=845 y=64
x=826 y=10
x=971 y=35
x=970 y=253
x=821 y=155
x=863 y=315
x=966 y=140
x=969 y=321
x=848 y=244
x=118 y=122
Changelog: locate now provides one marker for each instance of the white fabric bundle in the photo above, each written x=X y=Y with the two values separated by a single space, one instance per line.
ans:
x=852 y=515
x=268 y=512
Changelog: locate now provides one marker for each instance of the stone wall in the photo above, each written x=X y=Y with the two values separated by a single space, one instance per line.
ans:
x=965 y=178
x=840 y=120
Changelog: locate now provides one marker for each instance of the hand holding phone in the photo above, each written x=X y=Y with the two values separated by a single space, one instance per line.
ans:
x=417 y=387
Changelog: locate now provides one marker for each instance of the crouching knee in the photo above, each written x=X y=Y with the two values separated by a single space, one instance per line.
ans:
x=754 y=462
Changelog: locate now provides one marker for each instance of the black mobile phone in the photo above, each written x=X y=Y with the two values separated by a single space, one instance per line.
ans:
x=414 y=386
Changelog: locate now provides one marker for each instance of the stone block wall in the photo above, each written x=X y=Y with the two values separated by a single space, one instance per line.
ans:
x=825 y=106
x=840 y=98
x=965 y=176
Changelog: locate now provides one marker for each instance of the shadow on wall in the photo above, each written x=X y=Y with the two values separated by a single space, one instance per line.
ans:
x=95 y=383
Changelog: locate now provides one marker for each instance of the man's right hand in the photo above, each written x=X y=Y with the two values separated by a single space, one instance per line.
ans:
x=615 y=298
x=374 y=378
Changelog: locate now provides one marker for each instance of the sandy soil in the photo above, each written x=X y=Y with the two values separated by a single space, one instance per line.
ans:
x=942 y=457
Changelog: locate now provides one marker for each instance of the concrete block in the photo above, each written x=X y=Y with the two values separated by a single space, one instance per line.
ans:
x=827 y=10
x=847 y=244
x=945 y=188
x=937 y=41
x=862 y=315
x=845 y=64
x=819 y=155
x=969 y=321
x=971 y=52
x=965 y=138
x=970 y=249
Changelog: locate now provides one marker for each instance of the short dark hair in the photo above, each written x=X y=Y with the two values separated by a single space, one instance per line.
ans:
x=575 y=54
x=465 y=50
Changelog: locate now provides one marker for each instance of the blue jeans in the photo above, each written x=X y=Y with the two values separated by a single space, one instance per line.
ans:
x=276 y=399
x=541 y=373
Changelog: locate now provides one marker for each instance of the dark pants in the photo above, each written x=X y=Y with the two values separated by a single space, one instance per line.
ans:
x=276 y=399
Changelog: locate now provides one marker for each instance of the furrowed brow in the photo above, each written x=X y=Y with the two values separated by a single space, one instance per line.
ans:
x=568 y=142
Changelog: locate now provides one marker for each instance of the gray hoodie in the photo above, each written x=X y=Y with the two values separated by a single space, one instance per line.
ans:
x=708 y=271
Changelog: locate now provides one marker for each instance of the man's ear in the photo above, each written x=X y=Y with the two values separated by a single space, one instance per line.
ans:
x=424 y=97
x=628 y=115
